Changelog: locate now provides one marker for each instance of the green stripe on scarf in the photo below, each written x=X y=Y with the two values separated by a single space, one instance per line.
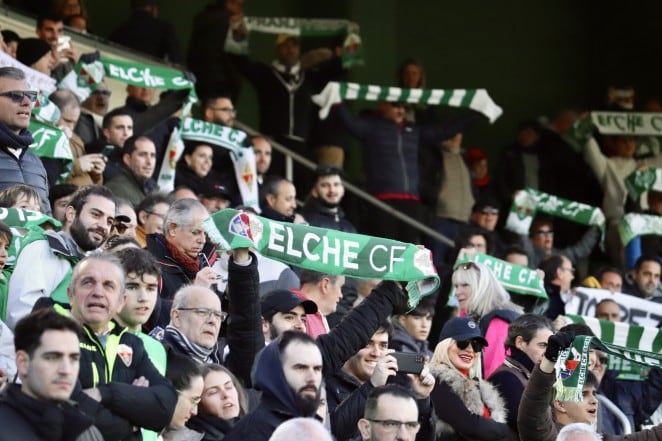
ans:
x=327 y=251
x=475 y=99
x=634 y=224
x=528 y=202
x=641 y=181
x=515 y=278
x=50 y=142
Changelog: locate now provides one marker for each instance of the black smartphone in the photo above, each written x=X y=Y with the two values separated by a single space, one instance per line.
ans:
x=409 y=362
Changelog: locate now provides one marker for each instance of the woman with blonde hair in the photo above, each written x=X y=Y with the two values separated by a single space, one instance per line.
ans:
x=466 y=407
x=480 y=296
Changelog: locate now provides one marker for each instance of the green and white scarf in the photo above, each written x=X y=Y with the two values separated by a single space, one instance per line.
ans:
x=327 y=251
x=514 y=278
x=634 y=224
x=572 y=364
x=641 y=181
x=243 y=158
x=83 y=79
x=628 y=123
x=352 y=53
x=475 y=99
x=51 y=142
x=528 y=202
x=36 y=80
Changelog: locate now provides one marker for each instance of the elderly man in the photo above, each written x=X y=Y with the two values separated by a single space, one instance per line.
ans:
x=88 y=219
x=135 y=182
x=18 y=165
x=48 y=361
x=115 y=367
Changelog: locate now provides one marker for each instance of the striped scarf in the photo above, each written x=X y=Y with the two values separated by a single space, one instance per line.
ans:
x=202 y=355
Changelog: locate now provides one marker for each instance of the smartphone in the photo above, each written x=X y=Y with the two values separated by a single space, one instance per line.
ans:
x=63 y=42
x=409 y=362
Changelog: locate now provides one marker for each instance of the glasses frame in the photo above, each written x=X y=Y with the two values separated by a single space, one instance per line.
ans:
x=17 y=96
x=541 y=233
x=221 y=315
x=394 y=425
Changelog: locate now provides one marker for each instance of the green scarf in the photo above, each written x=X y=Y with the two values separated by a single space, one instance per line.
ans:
x=83 y=79
x=476 y=99
x=352 y=51
x=528 y=202
x=634 y=224
x=36 y=80
x=641 y=181
x=327 y=251
x=628 y=123
x=514 y=278
x=243 y=157
x=51 y=142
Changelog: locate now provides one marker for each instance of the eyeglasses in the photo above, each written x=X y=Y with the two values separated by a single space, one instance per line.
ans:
x=394 y=425
x=544 y=233
x=490 y=211
x=119 y=226
x=475 y=345
x=17 y=96
x=103 y=92
x=205 y=313
x=159 y=215
x=225 y=109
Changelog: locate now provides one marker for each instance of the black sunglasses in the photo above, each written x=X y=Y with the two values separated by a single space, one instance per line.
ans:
x=120 y=227
x=18 y=95
x=475 y=345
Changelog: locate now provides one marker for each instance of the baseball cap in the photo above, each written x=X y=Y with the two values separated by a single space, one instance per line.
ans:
x=282 y=38
x=462 y=329
x=211 y=189
x=486 y=202
x=282 y=300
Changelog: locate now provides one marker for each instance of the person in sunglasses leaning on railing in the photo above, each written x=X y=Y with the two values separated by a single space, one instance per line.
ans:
x=466 y=406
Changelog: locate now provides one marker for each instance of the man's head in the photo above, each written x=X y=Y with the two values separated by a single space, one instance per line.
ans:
x=117 y=127
x=584 y=411
x=142 y=94
x=283 y=311
x=49 y=29
x=141 y=287
x=139 y=156
x=196 y=312
x=578 y=432
x=542 y=234
x=262 y=150
x=418 y=321
x=301 y=429
x=16 y=100
x=95 y=290
x=220 y=110
x=280 y=194
x=288 y=50
x=37 y=54
x=362 y=364
x=611 y=279
x=98 y=100
x=529 y=333
x=323 y=289
x=69 y=107
x=607 y=309
x=646 y=274
x=151 y=212
x=485 y=213
x=517 y=256
x=301 y=361
x=214 y=195
x=655 y=201
x=390 y=414
x=528 y=133
x=59 y=196
x=125 y=221
x=328 y=188
x=392 y=111
x=89 y=216
x=183 y=226
x=558 y=271
x=47 y=355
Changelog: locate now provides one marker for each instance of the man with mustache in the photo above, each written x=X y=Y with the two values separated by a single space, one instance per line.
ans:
x=43 y=265
x=47 y=358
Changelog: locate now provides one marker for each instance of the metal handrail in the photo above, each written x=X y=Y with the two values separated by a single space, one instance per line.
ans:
x=291 y=155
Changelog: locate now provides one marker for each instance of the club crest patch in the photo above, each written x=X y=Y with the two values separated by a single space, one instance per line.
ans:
x=125 y=353
x=240 y=225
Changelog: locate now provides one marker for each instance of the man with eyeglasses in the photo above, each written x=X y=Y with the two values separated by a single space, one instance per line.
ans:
x=390 y=414
x=18 y=164
x=88 y=220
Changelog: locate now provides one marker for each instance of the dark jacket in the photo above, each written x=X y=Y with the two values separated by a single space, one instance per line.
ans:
x=272 y=214
x=27 y=419
x=402 y=341
x=555 y=307
x=150 y=35
x=26 y=169
x=510 y=380
x=318 y=215
x=390 y=150
x=637 y=399
x=149 y=407
x=345 y=399
x=576 y=252
x=128 y=186
x=214 y=428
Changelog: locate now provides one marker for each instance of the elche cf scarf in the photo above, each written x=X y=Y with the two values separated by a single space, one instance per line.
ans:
x=475 y=99
x=641 y=181
x=634 y=225
x=352 y=49
x=327 y=251
x=242 y=155
x=635 y=343
x=528 y=202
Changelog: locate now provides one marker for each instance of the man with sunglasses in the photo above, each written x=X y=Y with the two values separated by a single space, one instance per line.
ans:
x=19 y=165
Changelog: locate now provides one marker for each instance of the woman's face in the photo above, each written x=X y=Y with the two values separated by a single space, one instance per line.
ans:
x=220 y=398
x=462 y=359
x=412 y=76
x=187 y=403
x=200 y=161
x=463 y=295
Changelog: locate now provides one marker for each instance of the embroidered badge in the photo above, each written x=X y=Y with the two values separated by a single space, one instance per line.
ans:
x=125 y=353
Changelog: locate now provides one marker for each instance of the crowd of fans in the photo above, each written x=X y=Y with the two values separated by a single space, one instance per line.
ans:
x=120 y=319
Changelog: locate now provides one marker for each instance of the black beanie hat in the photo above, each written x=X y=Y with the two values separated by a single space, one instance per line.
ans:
x=30 y=50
